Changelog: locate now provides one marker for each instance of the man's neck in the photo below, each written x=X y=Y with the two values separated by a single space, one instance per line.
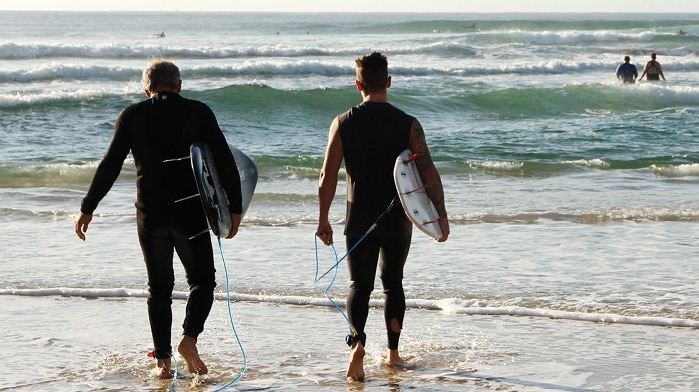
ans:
x=375 y=97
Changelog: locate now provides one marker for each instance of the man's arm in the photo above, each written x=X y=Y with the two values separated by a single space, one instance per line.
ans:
x=327 y=182
x=431 y=179
x=106 y=174
x=645 y=71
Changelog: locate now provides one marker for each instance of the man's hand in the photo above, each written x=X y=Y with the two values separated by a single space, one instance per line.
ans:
x=444 y=225
x=325 y=233
x=81 y=225
x=235 y=223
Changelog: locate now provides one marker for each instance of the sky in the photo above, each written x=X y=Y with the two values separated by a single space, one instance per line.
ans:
x=681 y=6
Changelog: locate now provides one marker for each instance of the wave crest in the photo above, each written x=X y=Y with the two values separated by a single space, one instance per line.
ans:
x=449 y=305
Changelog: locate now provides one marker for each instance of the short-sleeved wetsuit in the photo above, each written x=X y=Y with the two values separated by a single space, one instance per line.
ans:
x=373 y=135
x=159 y=132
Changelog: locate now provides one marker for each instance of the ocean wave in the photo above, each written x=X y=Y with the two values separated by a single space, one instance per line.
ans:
x=294 y=210
x=307 y=168
x=593 y=216
x=430 y=37
x=126 y=73
x=222 y=50
x=289 y=67
x=590 y=99
x=675 y=171
x=567 y=36
x=55 y=174
x=12 y=51
x=543 y=166
x=476 y=307
x=447 y=305
x=584 y=99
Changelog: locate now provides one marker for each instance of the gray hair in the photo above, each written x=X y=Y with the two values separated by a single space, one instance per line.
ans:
x=160 y=72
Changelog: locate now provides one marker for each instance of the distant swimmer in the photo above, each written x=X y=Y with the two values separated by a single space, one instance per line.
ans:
x=682 y=32
x=627 y=72
x=160 y=35
x=652 y=70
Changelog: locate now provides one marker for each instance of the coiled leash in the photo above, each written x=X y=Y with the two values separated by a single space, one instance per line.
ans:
x=353 y=336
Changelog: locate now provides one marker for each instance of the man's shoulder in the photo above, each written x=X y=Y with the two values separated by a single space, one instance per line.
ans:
x=134 y=108
x=197 y=105
x=371 y=108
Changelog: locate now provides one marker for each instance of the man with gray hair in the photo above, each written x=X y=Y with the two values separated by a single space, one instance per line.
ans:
x=159 y=132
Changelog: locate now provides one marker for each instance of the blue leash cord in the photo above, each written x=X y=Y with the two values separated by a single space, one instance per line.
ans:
x=230 y=316
x=235 y=332
x=174 y=376
x=338 y=261
x=353 y=330
x=332 y=282
x=373 y=226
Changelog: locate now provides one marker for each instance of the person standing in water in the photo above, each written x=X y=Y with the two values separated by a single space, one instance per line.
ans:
x=627 y=72
x=159 y=132
x=652 y=70
x=369 y=137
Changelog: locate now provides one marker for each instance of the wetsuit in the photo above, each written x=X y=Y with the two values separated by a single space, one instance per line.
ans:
x=159 y=132
x=627 y=72
x=373 y=135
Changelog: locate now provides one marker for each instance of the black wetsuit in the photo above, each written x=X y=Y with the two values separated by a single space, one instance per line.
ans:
x=159 y=132
x=373 y=135
x=627 y=73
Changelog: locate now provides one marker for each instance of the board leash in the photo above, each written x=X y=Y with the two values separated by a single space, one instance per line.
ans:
x=371 y=228
x=174 y=375
x=353 y=330
x=235 y=332
x=332 y=282
x=230 y=317
x=338 y=261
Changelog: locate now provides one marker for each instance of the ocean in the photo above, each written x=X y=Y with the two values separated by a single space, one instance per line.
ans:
x=572 y=199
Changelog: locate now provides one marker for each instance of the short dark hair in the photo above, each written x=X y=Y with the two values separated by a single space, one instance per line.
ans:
x=372 y=72
x=160 y=72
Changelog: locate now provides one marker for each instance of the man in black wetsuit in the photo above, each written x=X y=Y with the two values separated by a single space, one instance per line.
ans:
x=369 y=137
x=159 y=132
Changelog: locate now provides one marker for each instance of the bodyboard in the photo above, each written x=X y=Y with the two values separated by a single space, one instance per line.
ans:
x=211 y=192
x=413 y=196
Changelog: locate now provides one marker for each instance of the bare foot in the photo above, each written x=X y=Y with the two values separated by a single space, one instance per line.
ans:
x=164 y=369
x=394 y=360
x=355 y=370
x=188 y=349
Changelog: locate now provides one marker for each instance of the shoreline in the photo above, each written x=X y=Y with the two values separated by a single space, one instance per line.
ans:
x=102 y=343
